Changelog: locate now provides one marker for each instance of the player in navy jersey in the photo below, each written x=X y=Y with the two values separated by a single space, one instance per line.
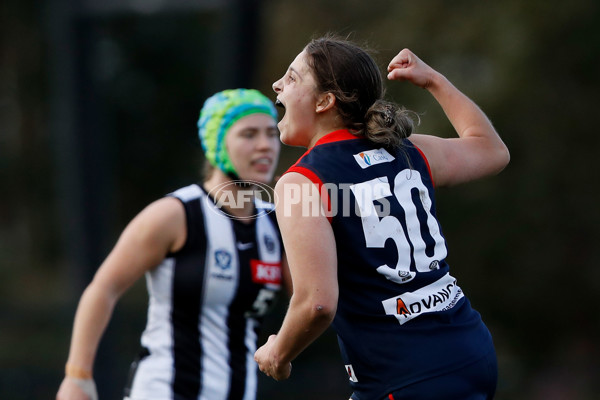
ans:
x=213 y=261
x=358 y=221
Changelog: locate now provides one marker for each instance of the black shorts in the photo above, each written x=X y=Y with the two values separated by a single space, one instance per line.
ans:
x=476 y=381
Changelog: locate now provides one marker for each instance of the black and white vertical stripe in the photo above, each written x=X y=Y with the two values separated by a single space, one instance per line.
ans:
x=199 y=336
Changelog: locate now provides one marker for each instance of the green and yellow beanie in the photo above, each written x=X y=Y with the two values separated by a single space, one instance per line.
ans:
x=219 y=113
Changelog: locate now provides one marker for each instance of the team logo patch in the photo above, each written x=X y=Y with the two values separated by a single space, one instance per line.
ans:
x=351 y=374
x=269 y=243
x=369 y=158
x=265 y=272
x=223 y=259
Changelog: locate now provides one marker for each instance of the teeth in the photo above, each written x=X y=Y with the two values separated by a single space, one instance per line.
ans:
x=278 y=103
x=265 y=161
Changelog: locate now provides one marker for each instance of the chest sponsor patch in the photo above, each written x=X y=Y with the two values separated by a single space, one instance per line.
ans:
x=369 y=158
x=265 y=272
x=441 y=295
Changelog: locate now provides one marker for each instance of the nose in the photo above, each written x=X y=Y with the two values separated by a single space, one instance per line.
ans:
x=276 y=86
x=264 y=142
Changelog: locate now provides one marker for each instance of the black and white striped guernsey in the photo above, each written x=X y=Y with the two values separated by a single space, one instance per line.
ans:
x=206 y=303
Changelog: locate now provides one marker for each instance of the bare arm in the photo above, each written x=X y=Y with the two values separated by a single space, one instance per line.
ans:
x=310 y=249
x=477 y=152
x=285 y=275
x=155 y=231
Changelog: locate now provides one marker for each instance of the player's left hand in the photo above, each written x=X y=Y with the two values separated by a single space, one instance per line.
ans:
x=406 y=66
x=268 y=362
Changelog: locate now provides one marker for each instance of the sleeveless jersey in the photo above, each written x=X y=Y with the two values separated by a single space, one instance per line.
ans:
x=401 y=316
x=205 y=306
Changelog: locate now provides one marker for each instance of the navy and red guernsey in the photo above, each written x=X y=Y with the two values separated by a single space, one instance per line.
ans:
x=401 y=316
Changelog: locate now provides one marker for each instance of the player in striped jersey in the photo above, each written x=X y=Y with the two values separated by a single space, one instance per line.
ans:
x=373 y=260
x=213 y=262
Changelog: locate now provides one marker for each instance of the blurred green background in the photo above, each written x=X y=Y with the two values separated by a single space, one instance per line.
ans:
x=98 y=109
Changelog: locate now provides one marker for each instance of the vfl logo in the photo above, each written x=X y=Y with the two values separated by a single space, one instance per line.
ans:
x=223 y=259
x=366 y=159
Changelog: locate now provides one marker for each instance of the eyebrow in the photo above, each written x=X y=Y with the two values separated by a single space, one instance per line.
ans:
x=258 y=128
x=294 y=71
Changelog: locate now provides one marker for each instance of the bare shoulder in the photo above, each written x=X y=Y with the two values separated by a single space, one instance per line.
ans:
x=428 y=144
x=432 y=148
x=162 y=220
x=165 y=208
x=292 y=186
x=295 y=189
x=291 y=178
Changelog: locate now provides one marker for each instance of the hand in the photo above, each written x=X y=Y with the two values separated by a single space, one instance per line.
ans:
x=406 y=66
x=268 y=363
x=77 y=389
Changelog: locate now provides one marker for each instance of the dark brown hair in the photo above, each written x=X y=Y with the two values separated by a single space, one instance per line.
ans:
x=353 y=77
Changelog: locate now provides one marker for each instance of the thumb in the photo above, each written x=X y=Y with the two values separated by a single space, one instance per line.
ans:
x=397 y=68
x=271 y=338
x=402 y=73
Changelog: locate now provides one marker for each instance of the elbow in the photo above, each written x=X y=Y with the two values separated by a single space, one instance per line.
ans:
x=494 y=158
x=319 y=311
x=323 y=312
x=502 y=158
x=324 y=307
x=506 y=155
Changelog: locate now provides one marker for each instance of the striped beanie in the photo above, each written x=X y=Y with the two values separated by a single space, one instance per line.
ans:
x=219 y=113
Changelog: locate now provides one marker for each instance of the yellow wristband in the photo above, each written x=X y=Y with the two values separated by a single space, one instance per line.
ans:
x=76 y=372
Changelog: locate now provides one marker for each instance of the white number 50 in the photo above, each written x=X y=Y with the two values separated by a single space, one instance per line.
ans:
x=378 y=231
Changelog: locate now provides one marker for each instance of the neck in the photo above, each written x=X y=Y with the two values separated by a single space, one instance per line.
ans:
x=320 y=135
x=327 y=122
x=233 y=199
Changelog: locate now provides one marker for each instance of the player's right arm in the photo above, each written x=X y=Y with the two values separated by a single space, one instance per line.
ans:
x=157 y=230
x=311 y=252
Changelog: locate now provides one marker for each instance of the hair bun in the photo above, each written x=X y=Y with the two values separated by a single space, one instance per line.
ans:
x=387 y=123
x=388 y=115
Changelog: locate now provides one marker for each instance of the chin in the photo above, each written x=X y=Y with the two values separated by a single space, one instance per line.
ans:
x=285 y=136
x=282 y=136
x=289 y=140
x=263 y=179
x=286 y=141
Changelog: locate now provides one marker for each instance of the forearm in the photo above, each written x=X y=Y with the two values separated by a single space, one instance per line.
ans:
x=465 y=116
x=91 y=318
x=477 y=152
x=305 y=320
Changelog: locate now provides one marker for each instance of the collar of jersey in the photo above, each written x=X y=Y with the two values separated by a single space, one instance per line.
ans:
x=337 y=136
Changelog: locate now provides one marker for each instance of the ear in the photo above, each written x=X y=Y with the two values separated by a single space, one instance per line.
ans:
x=325 y=101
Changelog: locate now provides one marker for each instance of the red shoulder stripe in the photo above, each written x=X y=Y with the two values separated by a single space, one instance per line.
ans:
x=314 y=178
